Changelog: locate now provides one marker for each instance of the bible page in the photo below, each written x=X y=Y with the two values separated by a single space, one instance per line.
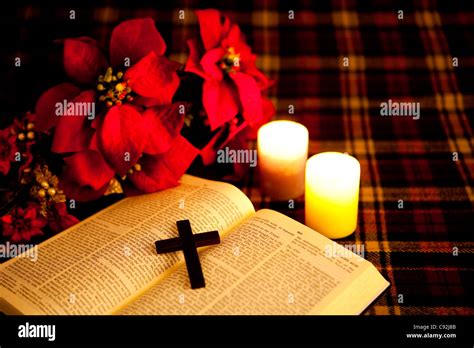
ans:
x=269 y=264
x=110 y=257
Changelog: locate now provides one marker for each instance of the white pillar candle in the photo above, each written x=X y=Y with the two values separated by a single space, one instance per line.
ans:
x=332 y=194
x=282 y=154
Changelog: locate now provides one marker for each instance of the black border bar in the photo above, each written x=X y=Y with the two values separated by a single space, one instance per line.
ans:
x=226 y=330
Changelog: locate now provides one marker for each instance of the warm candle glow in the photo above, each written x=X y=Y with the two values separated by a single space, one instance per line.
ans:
x=282 y=154
x=332 y=194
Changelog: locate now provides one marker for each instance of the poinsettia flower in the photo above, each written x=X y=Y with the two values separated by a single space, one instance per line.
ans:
x=23 y=224
x=137 y=78
x=8 y=149
x=232 y=82
x=59 y=219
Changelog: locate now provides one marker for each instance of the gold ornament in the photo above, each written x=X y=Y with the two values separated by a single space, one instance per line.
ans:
x=45 y=188
x=114 y=187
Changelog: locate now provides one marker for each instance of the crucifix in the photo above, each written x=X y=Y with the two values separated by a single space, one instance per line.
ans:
x=188 y=243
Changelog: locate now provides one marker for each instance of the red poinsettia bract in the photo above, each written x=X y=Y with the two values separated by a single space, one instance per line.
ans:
x=232 y=82
x=135 y=129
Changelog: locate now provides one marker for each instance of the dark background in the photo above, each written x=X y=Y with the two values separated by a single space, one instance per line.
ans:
x=29 y=30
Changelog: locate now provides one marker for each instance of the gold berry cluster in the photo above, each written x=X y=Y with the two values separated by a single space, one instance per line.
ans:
x=45 y=188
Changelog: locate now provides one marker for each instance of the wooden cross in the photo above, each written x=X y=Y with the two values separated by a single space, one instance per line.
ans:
x=188 y=243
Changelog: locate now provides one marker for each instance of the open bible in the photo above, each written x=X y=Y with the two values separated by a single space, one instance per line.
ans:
x=267 y=263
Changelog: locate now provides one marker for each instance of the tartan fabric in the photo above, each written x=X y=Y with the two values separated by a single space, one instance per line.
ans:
x=407 y=59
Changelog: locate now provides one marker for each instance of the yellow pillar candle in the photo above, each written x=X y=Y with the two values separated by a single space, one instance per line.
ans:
x=332 y=194
x=282 y=153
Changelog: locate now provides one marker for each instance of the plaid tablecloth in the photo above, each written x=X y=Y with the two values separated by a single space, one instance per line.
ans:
x=425 y=249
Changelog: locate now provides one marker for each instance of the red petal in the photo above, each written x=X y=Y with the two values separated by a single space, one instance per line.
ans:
x=268 y=110
x=88 y=168
x=73 y=133
x=60 y=208
x=39 y=222
x=122 y=137
x=250 y=97
x=30 y=213
x=267 y=114
x=163 y=171
x=209 y=63
x=208 y=152
x=165 y=123
x=4 y=166
x=62 y=223
x=34 y=231
x=135 y=39
x=46 y=105
x=262 y=80
x=86 y=175
x=17 y=237
x=154 y=77
x=145 y=102
x=96 y=124
x=94 y=145
x=220 y=101
x=7 y=219
x=83 y=60
x=193 y=64
x=234 y=132
x=7 y=230
x=213 y=26
x=236 y=39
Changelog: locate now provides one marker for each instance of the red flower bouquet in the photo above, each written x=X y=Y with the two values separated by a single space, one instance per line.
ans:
x=128 y=120
x=134 y=127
